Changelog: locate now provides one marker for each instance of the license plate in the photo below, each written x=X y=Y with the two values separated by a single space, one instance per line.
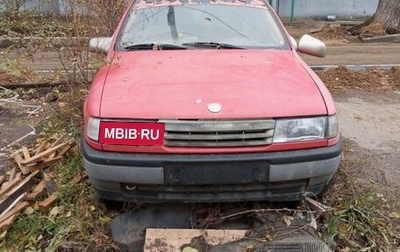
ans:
x=132 y=133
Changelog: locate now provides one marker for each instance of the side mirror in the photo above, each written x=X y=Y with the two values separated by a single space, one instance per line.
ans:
x=100 y=44
x=312 y=46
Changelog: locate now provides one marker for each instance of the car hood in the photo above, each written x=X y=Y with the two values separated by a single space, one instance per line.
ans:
x=180 y=84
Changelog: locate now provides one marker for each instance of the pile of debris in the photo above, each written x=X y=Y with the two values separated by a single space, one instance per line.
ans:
x=28 y=181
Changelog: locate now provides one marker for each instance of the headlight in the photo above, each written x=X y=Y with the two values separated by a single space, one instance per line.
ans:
x=93 y=127
x=305 y=129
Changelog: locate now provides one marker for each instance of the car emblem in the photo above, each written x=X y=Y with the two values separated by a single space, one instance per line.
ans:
x=214 y=107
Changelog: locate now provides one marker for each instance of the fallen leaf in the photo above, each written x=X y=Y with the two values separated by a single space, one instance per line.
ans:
x=343 y=227
x=55 y=211
x=313 y=222
x=394 y=215
x=105 y=219
x=268 y=238
x=287 y=220
x=250 y=247
x=62 y=104
x=29 y=210
x=36 y=206
x=3 y=235
x=189 y=249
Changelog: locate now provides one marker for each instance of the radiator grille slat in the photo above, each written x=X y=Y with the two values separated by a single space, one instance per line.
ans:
x=181 y=133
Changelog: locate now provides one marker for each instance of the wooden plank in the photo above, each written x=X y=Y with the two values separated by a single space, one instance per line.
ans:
x=171 y=240
x=66 y=149
x=25 y=151
x=9 y=185
x=13 y=173
x=45 y=205
x=52 y=155
x=18 y=175
x=59 y=140
x=19 y=207
x=18 y=159
x=63 y=151
x=2 y=179
x=6 y=224
x=37 y=192
x=10 y=196
x=6 y=185
x=42 y=154
x=42 y=147
x=44 y=164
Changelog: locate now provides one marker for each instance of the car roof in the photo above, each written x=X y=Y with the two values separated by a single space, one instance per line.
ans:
x=139 y=4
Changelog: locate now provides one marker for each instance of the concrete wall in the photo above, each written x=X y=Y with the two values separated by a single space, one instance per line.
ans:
x=347 y=9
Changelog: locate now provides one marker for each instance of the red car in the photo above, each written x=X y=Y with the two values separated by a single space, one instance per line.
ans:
x=208 y=101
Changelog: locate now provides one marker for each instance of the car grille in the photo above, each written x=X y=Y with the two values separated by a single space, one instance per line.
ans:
x=218 y=133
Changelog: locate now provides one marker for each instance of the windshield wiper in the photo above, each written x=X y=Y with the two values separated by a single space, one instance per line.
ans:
x=215 y=45
x=154 y=46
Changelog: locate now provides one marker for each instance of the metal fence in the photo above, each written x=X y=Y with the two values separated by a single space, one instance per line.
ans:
x=346 y=9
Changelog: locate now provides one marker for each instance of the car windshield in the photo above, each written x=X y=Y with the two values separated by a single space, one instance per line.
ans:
x=200 y=25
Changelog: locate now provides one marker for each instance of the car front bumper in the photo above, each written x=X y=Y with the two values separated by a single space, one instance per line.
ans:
x=271 y=176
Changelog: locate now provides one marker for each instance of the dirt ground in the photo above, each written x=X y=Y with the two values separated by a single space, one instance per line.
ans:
x=21 y=113
x=369 y=122
x=341 y=79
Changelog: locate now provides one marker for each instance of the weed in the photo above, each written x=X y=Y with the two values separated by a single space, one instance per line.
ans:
x=33 y=230
x=76 y=223
x=64 y=36
x=360 y=218
x=66 y=115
